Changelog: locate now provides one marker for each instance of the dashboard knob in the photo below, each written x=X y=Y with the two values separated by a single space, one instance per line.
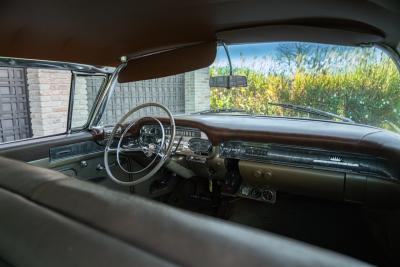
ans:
x=256 y=193
x=245 y=191
x=267 y=174
x=268 y=195
x=258 y=173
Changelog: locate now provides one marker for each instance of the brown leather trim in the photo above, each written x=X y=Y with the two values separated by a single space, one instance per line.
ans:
x=100 y=34
x=168 y=63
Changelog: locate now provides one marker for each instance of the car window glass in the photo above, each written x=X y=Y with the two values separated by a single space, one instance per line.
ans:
x=182 y=93
x=361 y=84
x=86 y=90
x=34 y=102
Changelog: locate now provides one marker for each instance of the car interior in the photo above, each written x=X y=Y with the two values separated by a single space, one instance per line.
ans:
x=209 y=188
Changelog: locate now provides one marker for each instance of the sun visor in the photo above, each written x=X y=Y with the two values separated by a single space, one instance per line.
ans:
x=276 y=33
x=168 y=62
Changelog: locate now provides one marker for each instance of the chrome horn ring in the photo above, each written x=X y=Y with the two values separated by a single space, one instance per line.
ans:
x=148 y=151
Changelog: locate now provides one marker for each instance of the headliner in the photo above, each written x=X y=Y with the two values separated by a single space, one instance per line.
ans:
x=98 y=33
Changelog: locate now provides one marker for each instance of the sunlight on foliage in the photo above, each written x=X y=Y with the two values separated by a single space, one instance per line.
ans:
x=361 y=84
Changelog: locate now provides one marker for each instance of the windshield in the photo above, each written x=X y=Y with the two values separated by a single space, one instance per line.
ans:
x=285 y=79
x=361 y=84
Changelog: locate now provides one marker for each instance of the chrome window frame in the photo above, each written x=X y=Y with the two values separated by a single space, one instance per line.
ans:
x=75 y=69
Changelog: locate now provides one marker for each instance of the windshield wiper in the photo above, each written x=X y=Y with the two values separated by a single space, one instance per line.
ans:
x=305 y=109
x=223 y=110
x=311 y=110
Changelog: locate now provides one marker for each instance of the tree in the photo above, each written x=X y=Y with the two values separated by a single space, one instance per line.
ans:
x=360 y=83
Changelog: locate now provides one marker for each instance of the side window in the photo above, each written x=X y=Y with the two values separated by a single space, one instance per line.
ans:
x=87 y=88
x=34 y=102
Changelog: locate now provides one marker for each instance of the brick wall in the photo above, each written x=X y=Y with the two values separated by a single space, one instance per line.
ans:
x=48 y=92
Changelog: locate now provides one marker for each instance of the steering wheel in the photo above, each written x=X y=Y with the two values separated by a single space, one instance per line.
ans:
x=160 y=149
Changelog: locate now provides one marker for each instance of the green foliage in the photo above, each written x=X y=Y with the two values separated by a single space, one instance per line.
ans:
x=361 y=84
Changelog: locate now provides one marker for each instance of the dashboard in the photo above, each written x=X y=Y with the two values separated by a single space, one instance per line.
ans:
x=195 y=145
x=258 y=158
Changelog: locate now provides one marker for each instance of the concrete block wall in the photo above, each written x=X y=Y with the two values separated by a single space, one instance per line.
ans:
x=197 y=90
x=48 y=92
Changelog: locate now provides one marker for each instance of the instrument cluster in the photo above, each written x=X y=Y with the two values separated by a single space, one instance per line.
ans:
x=190 y=142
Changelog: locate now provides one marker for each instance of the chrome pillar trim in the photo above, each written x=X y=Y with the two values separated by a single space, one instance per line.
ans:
x=71 y=102
x=47 y=64
x=105 y=96
x=392 y=53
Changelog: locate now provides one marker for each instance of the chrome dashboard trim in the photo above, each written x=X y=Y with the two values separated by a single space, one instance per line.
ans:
x=188 y=134
x=306 y=157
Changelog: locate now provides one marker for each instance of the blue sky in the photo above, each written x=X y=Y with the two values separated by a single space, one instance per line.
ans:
x=261 y=57
x=249 y=52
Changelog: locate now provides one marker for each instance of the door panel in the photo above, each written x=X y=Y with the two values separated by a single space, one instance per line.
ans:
x=86 y=165
x=75 y=154
x=39 y=148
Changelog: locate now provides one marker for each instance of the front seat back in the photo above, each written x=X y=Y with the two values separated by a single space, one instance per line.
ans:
x=49 y=219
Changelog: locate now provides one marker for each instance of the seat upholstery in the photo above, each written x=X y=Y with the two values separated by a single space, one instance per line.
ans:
x=49 y=219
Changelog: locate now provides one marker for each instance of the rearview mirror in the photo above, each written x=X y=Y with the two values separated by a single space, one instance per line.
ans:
x=228 y=81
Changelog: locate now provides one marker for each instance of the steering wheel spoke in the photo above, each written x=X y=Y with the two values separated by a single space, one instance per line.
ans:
x=130 y=149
